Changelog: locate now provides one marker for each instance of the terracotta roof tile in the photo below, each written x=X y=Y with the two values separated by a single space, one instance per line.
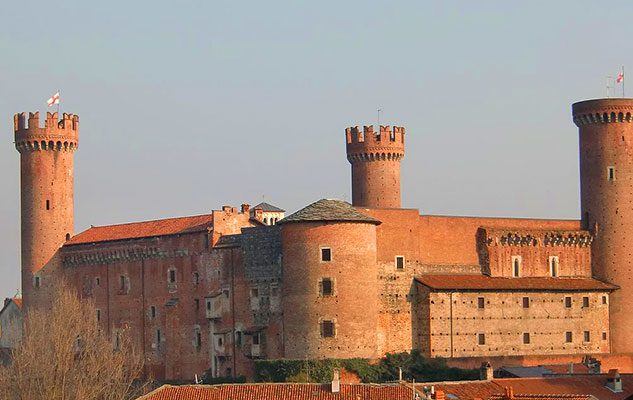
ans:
x=329 y=210
x=281 y=391
x=135 y=230
x=482 y=282
x=18 y=301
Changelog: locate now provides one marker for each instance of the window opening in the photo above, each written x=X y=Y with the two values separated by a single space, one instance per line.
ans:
x=586 y=336
x=48 y=204
x=480 y=302
x=516 y=266
x=568 y=337
x=526 y=338
x=327 y=287
x=196 y=278
x=567 y=302
x=585 y=302
x=611 y=174
x=553 y=266
x=327 y=329
x=172 y=276
x=526 y=302
x=481 y=339
x=256 y=339
x=326 y=254
x=152 y=311
x=399 y=262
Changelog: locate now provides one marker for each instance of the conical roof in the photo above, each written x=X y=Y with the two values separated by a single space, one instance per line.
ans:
x=329 y=210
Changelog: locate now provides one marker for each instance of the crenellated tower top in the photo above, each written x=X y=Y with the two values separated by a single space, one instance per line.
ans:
x=367 y=145
x=56 y=134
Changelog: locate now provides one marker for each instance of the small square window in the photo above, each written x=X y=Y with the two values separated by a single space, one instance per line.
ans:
x=326 y=254
x=254 y=292
x=586 y=336
x=604 y=335
x=481 y=339
x=568 y=337
x=526 y=338
x=327 y=287
x=400 y=262
x=585 y=302
x=481 y=302
x=567 y=302
x=604 y=300
x=526 y=302
x=611 y=174
x=327 y=329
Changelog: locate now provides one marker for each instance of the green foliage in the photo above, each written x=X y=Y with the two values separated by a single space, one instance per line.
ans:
x=207 y=379
x=414 y=366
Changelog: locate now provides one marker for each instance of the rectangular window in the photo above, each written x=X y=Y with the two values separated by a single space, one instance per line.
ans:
x=604 y=335
x=568 y=337
x=526 y=302
x=604 y=299
x=481 y=302
x=122 y=283
x=159 y=337
x=152 y=312
x=481 y=339
x=327 y=287
x=208 y=304
x=198 y=339
x=586 y=336
x=172 y=276
x=48 y=204
x=238 y=338
x=516 y=266
x=326 y=254
x=256 y=339
x=553 y=266
x=196 y=278
x=196 y=303
x=567 y=302
x=327 y=329
x=37 y=282
x=254 y=292
x=97 y=281
x=585 y=302
x=526 y=338
x=98 y=315
x=610 y=174
x=399 y=262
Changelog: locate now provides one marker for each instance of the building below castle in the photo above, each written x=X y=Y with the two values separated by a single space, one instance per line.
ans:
x=338 y=280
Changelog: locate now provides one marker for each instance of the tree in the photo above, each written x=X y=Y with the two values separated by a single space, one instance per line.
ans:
x=65 y=355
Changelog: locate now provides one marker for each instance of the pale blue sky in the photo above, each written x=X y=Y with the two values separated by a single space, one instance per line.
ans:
x=186 y=107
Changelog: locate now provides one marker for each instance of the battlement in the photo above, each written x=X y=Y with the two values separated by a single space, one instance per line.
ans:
x=56 y=134
x=602 y=111
x=386 y=135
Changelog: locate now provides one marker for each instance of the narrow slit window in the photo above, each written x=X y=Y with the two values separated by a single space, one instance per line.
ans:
x=611 y=174
x=516 y=266
x=48 y=204
x=172 y=276
x=526 y=338
x=152 y=312
x=586 y=336
x=553 y=266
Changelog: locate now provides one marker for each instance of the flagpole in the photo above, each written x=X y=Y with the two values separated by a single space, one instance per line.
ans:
x=59 y=101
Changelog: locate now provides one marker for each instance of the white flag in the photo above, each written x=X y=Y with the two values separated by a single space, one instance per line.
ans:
x=53 y=100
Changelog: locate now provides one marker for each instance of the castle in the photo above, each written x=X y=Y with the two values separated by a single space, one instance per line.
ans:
x=334 y=280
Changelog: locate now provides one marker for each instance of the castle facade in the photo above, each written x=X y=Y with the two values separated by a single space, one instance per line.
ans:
x=338 y=280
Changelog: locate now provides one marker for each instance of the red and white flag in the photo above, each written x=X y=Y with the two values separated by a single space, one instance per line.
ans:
x=620 y=77
x=53 y=100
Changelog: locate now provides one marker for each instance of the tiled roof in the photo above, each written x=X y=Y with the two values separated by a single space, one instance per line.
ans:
x=482 y=282
x=136 y=230
x=281 y=391
x=18 y=301
x=550 y=388
x=268 y=207
x=329 y=210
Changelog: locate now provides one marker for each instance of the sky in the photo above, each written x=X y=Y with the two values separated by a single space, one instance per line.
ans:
x=187 y=106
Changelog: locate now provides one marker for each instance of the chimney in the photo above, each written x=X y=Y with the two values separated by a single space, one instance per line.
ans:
x=486 y=373
x=246 y=208
x=439 y=395
x=336 y=382
x=509 y=394
x=614 y=381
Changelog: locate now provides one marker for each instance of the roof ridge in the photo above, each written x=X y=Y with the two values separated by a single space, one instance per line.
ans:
x=151 y=220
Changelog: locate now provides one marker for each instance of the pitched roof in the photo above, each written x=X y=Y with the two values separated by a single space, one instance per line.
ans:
x=551 y=388
x=136 y=230
x=18 y=301
x=329 y=210
x=482 y=282
x=281 y=391
x=268 y=207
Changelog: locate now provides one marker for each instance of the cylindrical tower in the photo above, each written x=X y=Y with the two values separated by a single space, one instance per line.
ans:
x=375 y=159
x=606 y=188
x=46 y=183
x=330 y=294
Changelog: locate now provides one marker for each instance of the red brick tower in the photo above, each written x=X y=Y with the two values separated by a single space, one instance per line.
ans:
x=375 y=160
x=46 y=181
x=606 y=187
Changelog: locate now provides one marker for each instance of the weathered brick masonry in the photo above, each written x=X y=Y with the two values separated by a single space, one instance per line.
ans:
x=218 y=291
